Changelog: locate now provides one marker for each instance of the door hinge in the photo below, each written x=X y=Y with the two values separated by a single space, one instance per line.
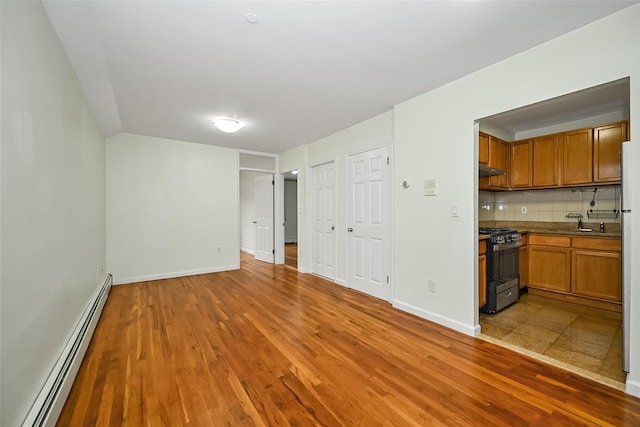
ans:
x=387 y=280
x=387 y=160
x=273 y=251
x=273 y=183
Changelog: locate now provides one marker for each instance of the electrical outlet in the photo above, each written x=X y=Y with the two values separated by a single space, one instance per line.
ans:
x=523 y=210
x=431 y=285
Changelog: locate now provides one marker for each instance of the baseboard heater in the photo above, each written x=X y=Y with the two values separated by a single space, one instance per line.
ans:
x=50 y=401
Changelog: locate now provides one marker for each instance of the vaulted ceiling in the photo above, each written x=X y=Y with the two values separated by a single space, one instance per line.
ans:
x=304 y=70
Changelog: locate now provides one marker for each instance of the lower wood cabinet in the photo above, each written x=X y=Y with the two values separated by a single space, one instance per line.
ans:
x=550 y=268
x=482 y=273
x=596 y=267
x=587 y=270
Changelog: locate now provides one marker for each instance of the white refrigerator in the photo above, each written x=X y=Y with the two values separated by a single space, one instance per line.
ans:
x=626 y=220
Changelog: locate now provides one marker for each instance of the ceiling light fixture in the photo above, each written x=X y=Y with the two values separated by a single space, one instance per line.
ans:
x=227 y=124
x=295 y=171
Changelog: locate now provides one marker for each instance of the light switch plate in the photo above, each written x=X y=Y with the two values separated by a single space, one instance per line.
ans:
x=431 y=187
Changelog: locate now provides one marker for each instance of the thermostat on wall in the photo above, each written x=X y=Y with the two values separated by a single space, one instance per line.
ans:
x=431 y=187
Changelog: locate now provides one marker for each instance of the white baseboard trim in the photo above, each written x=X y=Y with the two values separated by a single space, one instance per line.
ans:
x=302 y=269
x=341 y=282
x=633 y=387
x=122 y=281
x=249 y=251
x=50 y=401
x=437 y=318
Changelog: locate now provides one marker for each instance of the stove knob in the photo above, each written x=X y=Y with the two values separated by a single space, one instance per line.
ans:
x=507 y=238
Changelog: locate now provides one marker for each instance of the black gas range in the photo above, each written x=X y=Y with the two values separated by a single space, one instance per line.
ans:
x=503 y=276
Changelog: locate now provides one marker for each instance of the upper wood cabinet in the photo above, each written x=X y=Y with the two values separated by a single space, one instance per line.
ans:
x=483 y=148
x=546 y=161
x=520 y=164
x=499 y=159
x=577 y=157
x=574 y=158
x=606 y=151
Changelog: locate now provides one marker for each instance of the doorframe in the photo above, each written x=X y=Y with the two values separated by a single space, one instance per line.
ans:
x=309 y=223
x=278 y=235
x=280 y=183
x=389 y=228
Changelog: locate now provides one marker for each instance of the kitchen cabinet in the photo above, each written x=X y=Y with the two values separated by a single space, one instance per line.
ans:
x=499 y=159
x=546 y=161
x=596 y=266
x=585 y=270
x=482 y=273
x=520 y=164
x=577 y=157
x=606 y=151
x=549 y=262
x=483 y=148
x=523 y=261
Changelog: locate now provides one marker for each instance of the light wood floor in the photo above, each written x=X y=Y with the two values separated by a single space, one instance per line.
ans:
x=266 y=345
x=291 y=255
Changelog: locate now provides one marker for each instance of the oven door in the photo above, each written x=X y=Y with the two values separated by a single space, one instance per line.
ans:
x=505 y=262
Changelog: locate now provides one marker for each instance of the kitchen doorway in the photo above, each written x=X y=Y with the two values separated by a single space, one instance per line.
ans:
x=553 y=324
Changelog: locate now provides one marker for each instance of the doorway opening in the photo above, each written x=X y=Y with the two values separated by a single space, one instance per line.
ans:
x=290 y=219
x=559 y=318
x=257 y=208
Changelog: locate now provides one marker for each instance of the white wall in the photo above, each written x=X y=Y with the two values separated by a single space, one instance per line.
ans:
x=248 y=211
x=434 y=137
x=52 y=204
x=172 y=208
x=290 y=211
x=371 y=133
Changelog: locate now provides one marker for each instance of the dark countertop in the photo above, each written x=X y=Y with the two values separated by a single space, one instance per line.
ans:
x=613 y=230
x=572 y=232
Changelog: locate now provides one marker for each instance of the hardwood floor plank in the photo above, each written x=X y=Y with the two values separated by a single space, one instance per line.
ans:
x=266 y=346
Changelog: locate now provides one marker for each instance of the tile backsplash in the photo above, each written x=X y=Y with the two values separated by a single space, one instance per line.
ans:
x=548 y=205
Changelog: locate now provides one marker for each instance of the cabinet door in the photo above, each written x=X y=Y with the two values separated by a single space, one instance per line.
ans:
x=483 y=148
x=596 y=274
x=577 y=157
x=550 y=268
x=546 y=161
x=520 y=166
x=606 y=151
x=523 y=265
x=482 y=281
x=499 y=158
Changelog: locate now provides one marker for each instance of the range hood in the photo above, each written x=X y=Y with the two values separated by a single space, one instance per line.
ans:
x=486 y=171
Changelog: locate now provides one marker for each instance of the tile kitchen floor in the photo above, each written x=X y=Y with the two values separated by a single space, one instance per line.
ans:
x=586 y=338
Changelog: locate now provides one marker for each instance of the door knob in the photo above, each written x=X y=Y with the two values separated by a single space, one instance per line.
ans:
x=333 y=228
x=255 y=222
x=350 y=229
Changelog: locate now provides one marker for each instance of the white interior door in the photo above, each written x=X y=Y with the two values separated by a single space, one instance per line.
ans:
x=368 y=222
x=323 y=232
x=263 y=198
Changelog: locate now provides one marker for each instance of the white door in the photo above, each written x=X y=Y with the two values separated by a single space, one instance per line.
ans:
x=368 y=222
x=323 y=231
x=263 y=199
